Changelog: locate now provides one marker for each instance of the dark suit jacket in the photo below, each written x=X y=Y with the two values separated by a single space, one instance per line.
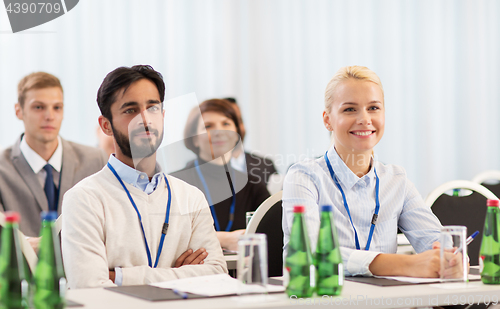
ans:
x=259 y=167
x=250 y=192
x=20 y=189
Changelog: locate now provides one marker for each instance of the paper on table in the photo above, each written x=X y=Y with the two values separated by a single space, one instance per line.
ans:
x=411 y=279
x=423 y=280
x=213 y=285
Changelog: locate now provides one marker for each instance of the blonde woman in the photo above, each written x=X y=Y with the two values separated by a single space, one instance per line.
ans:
x=371 y=200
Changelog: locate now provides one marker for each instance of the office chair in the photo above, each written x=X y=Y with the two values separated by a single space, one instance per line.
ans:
x=267 y=220
x=490 y=180
x=469 y=210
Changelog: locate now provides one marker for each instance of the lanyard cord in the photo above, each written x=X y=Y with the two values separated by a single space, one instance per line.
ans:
x=165 y=225
x=377 y=204
x=209 y=198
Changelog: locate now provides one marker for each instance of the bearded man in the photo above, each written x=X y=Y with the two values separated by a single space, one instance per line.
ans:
x=130 y=223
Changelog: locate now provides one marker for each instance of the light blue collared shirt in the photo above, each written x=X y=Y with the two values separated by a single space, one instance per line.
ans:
x=137 y=179
x=309 y=183
x=134 y=177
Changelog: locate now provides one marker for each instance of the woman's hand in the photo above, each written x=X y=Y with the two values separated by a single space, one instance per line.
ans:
x=229 y=240
x=422 y=265
x=425 y=264
x=34 y=243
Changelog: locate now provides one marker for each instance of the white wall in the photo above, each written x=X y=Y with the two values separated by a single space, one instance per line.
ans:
x=438 y=61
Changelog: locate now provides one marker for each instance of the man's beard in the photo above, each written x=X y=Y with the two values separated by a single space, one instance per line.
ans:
x=144 y=150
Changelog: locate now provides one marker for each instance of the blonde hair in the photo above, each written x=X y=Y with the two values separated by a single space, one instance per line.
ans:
x=344 y=73
x=37 y=80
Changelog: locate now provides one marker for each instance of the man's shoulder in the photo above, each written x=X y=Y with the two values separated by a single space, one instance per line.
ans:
x=6 y=156
x=189 y=199
x=98 y=182
x=6 y=160
x=86 y=159
x=82 y=149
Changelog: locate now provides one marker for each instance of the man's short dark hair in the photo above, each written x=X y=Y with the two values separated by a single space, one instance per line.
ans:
x=122 y=78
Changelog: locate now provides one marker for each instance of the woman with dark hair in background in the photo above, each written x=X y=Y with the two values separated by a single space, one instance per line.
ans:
x=229 y=192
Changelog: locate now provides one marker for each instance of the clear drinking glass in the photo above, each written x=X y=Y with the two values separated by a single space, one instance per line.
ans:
x=453 y=253
x=252 y=264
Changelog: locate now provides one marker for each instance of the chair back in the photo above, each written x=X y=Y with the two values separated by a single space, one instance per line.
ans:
x=267 y=220
x=486 y=175
x=485 y=179
x=469 y=211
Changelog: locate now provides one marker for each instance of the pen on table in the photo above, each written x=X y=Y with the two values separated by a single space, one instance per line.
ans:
x=180 y=293
x=468 y=241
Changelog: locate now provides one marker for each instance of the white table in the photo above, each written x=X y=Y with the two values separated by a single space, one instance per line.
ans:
x=354 y=295
x=231 y=261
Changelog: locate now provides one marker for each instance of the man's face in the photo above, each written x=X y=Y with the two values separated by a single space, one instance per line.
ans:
x=42 y=114
x=137 y=122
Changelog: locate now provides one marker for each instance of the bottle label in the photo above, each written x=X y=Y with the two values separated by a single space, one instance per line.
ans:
x=62 y=287
x=341 y=274
x=312 y=275
x=481 y=263
x=25 y=289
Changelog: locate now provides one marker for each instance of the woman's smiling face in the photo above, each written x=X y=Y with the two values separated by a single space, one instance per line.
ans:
x=220 y=138
x=356 y=117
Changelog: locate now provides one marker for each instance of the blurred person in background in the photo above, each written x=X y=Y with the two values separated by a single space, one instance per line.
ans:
x=41 y=166
x=230 y=192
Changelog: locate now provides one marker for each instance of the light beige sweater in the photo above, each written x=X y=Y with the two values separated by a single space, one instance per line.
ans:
x=101 y=231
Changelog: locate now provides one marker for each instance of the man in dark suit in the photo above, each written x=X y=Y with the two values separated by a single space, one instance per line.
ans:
x=41 y=166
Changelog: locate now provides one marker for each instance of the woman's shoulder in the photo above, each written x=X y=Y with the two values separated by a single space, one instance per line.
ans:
x=307 y=170
x=390 y=169
x=308 y=165
x=184 y=188
x=187 y=173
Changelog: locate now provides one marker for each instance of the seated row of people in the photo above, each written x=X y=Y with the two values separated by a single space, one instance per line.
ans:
x=130 y=223
x=59 y=165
